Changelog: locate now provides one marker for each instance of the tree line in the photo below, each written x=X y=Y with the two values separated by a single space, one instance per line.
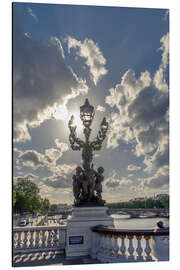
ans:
x=26 y=198
x=162 y=202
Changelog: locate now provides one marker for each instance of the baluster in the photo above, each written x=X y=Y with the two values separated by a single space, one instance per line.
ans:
x=49 y=238
x=40 y=238
x=43 y=239
x=123 y=247
x=105 y=248
x=37 y=239
x=25 y=245
x=147 y=248
x=139 y=249
x=106 y=239
x=95 y=245
x=131 y=248
x=31 y=240
x=102 y=255
x=104 y=243
x=55 y=238
x=116 y=246
x=109 y=245
x=101 y=243
x=15 y=236
x=19 y=239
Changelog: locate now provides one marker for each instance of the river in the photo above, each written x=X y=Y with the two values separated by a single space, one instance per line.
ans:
x=125 y=222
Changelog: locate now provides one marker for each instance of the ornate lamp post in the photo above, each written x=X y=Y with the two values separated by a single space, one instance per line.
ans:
x=87 y=185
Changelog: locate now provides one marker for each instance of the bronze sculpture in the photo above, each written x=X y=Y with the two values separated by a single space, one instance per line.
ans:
x=87 y=183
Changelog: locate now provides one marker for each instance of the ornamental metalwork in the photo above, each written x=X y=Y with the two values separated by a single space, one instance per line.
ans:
x=87 y=182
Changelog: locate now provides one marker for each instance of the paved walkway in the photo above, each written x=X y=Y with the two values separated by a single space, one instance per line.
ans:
x=48 y=258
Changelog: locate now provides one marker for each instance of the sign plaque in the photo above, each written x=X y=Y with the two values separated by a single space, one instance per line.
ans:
x=76 y=240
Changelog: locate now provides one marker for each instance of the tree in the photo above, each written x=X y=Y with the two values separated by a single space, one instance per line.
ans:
x=14 y=197
x=21 y=201
x=26 y=196
x=45 y=205
x=35 y=203
x=165 y=201
x=27 y=186
x=149 y=203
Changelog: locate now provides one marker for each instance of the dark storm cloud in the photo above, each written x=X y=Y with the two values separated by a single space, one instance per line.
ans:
x=41 y=79
x=149 y=106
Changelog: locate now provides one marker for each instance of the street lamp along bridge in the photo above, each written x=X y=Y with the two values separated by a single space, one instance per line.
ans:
x=87 y=183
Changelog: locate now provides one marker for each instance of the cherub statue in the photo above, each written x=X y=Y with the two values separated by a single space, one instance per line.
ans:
x=77 y=184
x=99 y=178
x=88 y=182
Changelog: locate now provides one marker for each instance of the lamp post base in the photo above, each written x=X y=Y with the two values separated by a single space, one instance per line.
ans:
x=79 y=234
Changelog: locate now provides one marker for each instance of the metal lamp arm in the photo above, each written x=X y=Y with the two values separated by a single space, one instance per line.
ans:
x=97 y=143
x=75 y=142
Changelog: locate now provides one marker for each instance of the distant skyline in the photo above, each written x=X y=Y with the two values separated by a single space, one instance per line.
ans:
x=118 y=58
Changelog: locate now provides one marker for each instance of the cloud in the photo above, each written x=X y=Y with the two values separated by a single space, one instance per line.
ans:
x=32 y=14
x=158 y=180
x=53 y=154
x=94 y=57
x=142 y=118
x=30 y=158
x=159 y=77
x=61 y=177
x=114 y=183
x=42 y=81
x=56 y=195
x=100 y=108
x=57 y=42
x=62 y=146
x=33 y=159
x=132 y=167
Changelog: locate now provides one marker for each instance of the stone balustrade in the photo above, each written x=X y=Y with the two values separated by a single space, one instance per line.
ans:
x=42 y=238
x=113 y=245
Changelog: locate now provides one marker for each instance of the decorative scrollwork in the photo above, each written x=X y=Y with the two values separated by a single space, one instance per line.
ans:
x=97 y=143
x=75 y=142
x=87 y=183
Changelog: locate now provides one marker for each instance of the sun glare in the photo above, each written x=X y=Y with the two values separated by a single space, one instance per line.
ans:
x=77 y=121
x=62 y=113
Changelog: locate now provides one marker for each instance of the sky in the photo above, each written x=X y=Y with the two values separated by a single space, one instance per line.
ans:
x=116 y=57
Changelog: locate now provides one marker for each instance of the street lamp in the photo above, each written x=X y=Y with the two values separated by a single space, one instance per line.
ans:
x=87 y=185
x=87 y=113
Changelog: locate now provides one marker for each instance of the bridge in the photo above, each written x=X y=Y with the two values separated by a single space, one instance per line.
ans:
x=137 y=212
x=45 y=245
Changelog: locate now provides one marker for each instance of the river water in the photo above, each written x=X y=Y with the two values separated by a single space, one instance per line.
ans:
x=125 y=222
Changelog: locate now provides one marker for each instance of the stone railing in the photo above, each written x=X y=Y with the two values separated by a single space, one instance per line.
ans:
x=114 y=245
x=39 y=239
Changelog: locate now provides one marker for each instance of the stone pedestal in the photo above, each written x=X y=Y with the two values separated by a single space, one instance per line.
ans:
x=79 y=234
